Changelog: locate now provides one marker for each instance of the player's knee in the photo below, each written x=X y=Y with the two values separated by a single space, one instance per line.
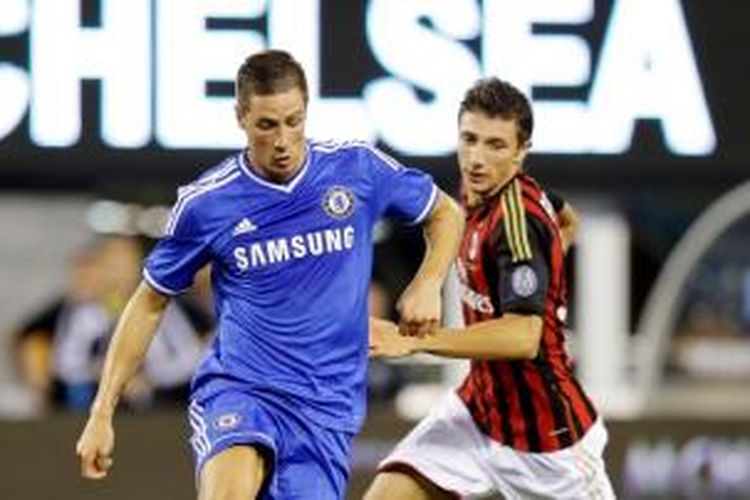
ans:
x=234 y=474
x=228 y=490
x=390 y=485
x=376 y=490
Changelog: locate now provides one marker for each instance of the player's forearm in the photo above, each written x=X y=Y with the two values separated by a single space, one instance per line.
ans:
x=511 y=337
x=128 y=347
x=443 y=232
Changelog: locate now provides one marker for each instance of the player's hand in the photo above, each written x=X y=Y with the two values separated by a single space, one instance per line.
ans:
x=420 y=308
x=386 y=341
x=95 y=446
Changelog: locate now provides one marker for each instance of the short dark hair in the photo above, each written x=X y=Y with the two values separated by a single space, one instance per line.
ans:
x=498 y=98
x=269 y=72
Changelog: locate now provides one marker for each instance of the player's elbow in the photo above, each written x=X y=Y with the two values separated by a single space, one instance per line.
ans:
x=448 y=214
x=530 y=336
x=147 y=301
x=457 y=213
x=530 y=350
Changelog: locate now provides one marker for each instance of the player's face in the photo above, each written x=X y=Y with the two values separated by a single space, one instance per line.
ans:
x=489 y=153
x=275 y=129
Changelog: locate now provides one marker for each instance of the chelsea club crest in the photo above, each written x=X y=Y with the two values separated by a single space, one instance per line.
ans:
x=338 y=202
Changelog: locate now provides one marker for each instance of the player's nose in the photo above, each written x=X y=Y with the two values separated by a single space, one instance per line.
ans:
x=476 y=164
x=281 y=141
x=476 y=160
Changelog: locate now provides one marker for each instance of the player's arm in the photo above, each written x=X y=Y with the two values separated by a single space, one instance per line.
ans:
x=567 y=218
x=513 y=336
x=521 y=293
x=131 y=339
x=420 y=304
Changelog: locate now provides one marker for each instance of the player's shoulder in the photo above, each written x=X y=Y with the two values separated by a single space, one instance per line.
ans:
x=524 y=218
x=337 y=146
x=350 y=149
x=537 y=204
x=213 y=180
x=217 y=175
x=200 y=194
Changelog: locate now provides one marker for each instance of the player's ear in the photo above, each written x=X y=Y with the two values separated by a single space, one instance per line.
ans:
x=521 y=153
x=239 y=113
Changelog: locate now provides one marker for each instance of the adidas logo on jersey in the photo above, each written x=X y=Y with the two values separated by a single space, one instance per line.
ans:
x=243 y=227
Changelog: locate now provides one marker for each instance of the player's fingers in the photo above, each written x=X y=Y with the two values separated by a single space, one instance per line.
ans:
x=408 y=328
x=403 y=327
x=430 y=327
x=423 y=329
x=93 y=465
x=420 y=327
x=104 y=463
x=87 y=466
x=96 y=471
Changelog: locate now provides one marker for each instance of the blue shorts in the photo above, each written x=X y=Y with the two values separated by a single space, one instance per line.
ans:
x=306 y=461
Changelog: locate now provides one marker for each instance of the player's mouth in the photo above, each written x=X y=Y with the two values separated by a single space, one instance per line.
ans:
x=477 y=177
x=282 y=162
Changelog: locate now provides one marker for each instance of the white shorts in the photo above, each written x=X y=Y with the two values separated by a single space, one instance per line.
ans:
x=448 y=449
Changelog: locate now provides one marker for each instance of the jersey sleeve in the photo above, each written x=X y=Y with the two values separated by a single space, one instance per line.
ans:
x=522 y=250
x=182 y=251
x=405 y=194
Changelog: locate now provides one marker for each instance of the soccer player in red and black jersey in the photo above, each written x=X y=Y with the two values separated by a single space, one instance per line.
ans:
x=520 y=424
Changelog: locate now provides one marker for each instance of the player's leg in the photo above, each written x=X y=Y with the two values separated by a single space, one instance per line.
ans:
x=236 y=473
x=440 y=458
x=404 y=486
x=315 y=459
x=236 y=443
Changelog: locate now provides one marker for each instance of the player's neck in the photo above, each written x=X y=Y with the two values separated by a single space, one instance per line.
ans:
x=276 y=177
x=476 y=199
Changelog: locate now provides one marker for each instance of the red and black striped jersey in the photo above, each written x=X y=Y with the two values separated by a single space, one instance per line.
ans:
x=511 y=260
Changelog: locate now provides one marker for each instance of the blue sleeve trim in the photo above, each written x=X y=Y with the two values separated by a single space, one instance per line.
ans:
x=427 y=210
x=159 y=287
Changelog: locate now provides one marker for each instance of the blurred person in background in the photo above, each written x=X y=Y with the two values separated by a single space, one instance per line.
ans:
x=120 y=265
x=520 y=425
x=61 y=348
x=179 y=341
x=287 y=227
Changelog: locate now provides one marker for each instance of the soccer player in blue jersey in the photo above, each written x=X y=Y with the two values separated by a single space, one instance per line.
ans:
x=287 y=226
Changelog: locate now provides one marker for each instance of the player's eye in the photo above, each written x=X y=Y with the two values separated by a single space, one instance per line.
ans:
x=265 y=124
x=468 y=139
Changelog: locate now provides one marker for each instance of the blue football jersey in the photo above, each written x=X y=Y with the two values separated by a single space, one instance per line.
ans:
x=291 y=266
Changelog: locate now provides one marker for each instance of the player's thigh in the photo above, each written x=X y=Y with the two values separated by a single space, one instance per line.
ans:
x=315 y=459
x=235 y=473
x=401 y=485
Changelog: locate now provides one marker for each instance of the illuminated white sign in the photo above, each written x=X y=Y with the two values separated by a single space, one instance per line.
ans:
x=154 y=59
